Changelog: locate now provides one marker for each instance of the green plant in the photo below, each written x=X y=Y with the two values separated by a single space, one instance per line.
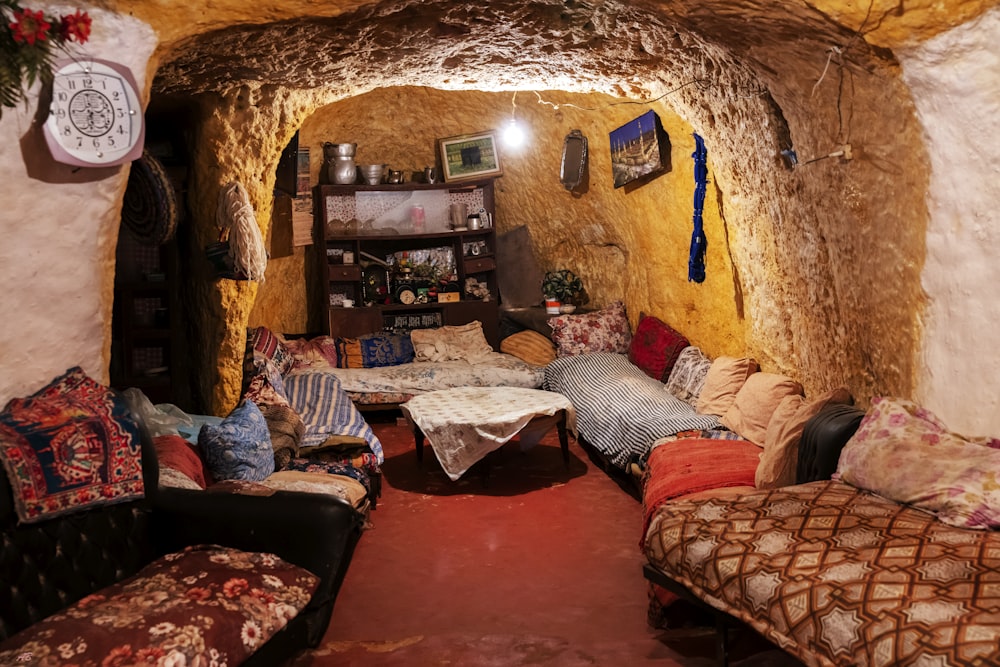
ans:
x=29 y=43
x=563 y=285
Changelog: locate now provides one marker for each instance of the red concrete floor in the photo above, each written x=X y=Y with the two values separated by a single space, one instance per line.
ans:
x=539 y=565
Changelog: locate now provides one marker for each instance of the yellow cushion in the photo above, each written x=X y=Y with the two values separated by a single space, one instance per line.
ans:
x=529 y=346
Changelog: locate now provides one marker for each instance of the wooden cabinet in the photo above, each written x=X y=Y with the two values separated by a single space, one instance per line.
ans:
x=390 y=252
x=146 y=346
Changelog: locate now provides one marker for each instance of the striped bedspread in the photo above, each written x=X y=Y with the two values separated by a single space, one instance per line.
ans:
x=620 y=410
x=327 y=410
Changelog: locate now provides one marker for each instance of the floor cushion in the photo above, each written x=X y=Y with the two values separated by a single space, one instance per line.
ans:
x=204 y=605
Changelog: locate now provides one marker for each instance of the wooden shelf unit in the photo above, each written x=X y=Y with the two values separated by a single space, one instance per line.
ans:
x=474 y=254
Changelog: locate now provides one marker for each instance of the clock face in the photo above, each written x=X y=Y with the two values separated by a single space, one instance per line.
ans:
x=96 y=117
x=406 y=295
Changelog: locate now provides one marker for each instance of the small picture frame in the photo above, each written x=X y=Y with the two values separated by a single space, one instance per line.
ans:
x=470 y=156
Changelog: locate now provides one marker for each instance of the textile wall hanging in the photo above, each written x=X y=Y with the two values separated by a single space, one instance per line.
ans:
x=696 y=260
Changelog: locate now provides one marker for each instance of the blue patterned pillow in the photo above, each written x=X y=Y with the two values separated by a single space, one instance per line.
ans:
x=239 y=447
x=374 y=351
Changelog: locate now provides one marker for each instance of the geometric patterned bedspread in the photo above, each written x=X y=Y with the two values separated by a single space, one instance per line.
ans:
x=838 y=576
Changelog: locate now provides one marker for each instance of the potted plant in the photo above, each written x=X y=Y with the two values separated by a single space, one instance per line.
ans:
x=561 y=288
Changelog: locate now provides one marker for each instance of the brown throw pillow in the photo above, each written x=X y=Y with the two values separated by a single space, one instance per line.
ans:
x=755 y=402
x=725 y=378
x=780 y=457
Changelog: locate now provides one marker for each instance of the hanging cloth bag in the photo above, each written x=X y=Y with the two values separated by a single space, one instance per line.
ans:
x=235 y=218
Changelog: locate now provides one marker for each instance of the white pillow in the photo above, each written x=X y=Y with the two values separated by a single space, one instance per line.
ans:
x=451 y=343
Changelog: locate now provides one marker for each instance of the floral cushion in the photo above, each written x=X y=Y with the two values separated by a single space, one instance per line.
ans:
x=904 y=453
x=605 y=330
x=688 y=375
x=655 y=347
x=239 y=447
x=318 y=352
x=70 y=445
x=202 y=606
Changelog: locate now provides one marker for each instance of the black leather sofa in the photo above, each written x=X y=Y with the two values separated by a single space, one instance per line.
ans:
x=47 y=566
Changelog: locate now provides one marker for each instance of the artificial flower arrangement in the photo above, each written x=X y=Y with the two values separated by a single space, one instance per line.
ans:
x=29 y=41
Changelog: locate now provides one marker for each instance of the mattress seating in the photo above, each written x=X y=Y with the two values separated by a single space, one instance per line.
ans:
x=108 y=567
x=892 y=562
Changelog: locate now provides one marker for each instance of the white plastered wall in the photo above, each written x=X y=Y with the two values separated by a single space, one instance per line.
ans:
x=57 y=240
x=955 y=82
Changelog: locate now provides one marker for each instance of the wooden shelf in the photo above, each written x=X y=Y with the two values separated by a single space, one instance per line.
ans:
x=473 y=253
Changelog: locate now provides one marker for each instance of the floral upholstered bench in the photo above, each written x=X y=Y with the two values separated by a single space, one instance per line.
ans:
x=100 y=566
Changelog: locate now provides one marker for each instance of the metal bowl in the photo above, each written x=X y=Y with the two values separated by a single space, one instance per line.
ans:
x=372 y=173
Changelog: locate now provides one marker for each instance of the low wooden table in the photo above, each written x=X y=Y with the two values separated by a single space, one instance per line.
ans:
x=464 y=424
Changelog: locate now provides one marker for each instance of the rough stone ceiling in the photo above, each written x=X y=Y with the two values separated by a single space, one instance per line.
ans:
x=622 y=49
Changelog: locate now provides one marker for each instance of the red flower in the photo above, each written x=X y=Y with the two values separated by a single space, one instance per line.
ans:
x=29 y=26
x=235 y=587
x=75 y=27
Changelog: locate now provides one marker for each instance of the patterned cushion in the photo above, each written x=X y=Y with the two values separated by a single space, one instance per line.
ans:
x=605 y=330
x=655 y=347
x=239 y=447
x=529 y=346
x=271 y=346
x=266 y=386
x=318 y=352
x=201 y=606
x=688 y=375
x=374 y=351
x=755 y=402
x=724 y=379
x=70 y=445
x=904 y=453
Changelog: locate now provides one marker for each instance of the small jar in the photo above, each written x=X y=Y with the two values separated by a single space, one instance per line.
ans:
x=418 y=219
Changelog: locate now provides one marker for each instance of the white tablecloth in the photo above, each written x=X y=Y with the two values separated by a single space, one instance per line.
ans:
x=465 y=424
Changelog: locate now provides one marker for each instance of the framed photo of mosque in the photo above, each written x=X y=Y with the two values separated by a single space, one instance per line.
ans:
x=470 y=156
x=640 y=149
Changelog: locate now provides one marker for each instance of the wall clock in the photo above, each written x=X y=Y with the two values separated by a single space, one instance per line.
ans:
x=95 y=118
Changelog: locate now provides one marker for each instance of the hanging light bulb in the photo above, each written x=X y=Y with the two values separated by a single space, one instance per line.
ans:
x=513 y=135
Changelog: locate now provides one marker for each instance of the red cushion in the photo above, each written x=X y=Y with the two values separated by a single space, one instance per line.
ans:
x=173 y=451
x=689 y=465
x=655 y=347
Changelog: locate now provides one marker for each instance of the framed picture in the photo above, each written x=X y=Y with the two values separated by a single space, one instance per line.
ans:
x=470 y=156
x=640 y=149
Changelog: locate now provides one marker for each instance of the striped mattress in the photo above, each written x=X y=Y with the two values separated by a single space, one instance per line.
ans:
x=620 y=410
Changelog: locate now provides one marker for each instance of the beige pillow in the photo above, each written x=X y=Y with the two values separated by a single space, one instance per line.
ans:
x=724 y=378
x=529 y=346
x=755 y=402
x=780 y=458
x=451 y=343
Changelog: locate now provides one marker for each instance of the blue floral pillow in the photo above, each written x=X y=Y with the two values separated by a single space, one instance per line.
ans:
x=240 y=446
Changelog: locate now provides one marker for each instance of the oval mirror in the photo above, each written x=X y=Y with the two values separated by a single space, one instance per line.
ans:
x=574 y=159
